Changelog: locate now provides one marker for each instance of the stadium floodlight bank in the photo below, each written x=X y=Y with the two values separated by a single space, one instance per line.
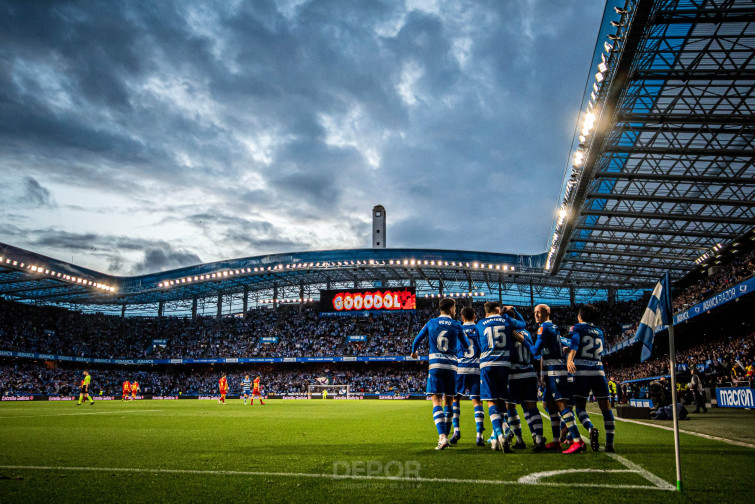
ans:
x=334 y=391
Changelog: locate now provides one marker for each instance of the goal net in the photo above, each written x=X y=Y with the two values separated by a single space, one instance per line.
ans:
x=331 y=391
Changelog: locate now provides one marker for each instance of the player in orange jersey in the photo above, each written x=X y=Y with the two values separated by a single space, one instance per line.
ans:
x=134 y=389
x=256 y=391
x=223 y=386
x=126 y=390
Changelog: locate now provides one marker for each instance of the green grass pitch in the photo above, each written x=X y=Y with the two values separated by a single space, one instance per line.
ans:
x=337 y=451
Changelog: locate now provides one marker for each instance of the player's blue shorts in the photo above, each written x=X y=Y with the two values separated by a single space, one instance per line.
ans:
x=523 y=389
x=494 y=383
x=246 y=391
x=441 y=381
x=468 y=385
x=557 y=388
x=597 y=383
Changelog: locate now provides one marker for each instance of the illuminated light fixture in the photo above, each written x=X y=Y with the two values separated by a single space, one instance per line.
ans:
x=505 y=267
x=593 y=95
x=512 y=268
x=599 y=77
x=497 y=266
x=578 y=158
x=412 y=262
x=475 y=265
x=406 y=262
x=608 y=47
x=602 y=67
x=563 y=213
x=595 y=87
x=582 y=138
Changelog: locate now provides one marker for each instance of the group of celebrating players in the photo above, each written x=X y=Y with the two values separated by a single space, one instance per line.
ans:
x=493 y=359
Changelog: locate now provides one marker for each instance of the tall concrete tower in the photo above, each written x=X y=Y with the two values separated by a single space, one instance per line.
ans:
x=378 y=227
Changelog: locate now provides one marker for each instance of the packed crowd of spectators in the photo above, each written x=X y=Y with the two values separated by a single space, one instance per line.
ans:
x=284 y=332
x=726 y=361
x=727 y=276
x=19 y=378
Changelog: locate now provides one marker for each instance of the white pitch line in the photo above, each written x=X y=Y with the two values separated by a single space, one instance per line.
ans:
x=534 y=478
x=82 y=413
x=691 y=433
x=324 y=476
x=661 y=483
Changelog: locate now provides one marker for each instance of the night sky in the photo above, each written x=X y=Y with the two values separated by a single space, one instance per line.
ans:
x=142 y=136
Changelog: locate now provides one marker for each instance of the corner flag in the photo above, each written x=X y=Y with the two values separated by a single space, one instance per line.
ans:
x=657 y=313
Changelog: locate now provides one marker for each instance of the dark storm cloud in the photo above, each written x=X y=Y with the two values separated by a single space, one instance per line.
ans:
x=35 y=194
x=245 y=235
x=164 y=258
x=227 y=117
x=157 y=254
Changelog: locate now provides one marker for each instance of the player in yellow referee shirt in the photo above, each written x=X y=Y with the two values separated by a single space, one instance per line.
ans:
x=84 y=389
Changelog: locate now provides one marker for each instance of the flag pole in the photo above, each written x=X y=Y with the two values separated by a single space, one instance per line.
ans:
x=672 y=358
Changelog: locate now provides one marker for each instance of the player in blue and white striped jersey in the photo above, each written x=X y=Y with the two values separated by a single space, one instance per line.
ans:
x=496 y=345
x=443 y=334
x=548 y=346
x=246 y=388
x=523 y=390
x=584 y=360
x=468 y=376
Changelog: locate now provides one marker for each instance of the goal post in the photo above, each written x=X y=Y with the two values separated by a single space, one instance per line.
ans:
x=315 y=391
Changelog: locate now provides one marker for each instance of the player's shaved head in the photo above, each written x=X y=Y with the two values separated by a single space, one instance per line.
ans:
x=542 y=313
x=543 y=308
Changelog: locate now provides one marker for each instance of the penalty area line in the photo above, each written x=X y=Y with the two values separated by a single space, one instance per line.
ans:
x=691 y=433
x=325 y=476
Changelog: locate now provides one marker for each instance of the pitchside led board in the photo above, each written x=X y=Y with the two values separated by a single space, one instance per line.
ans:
x=367 y=301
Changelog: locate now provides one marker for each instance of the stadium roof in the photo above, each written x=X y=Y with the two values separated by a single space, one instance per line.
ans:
x=660 y=176
x=661 y=171
x=27 y=276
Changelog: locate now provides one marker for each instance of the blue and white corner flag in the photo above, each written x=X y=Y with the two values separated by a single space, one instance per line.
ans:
x=657 y=313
